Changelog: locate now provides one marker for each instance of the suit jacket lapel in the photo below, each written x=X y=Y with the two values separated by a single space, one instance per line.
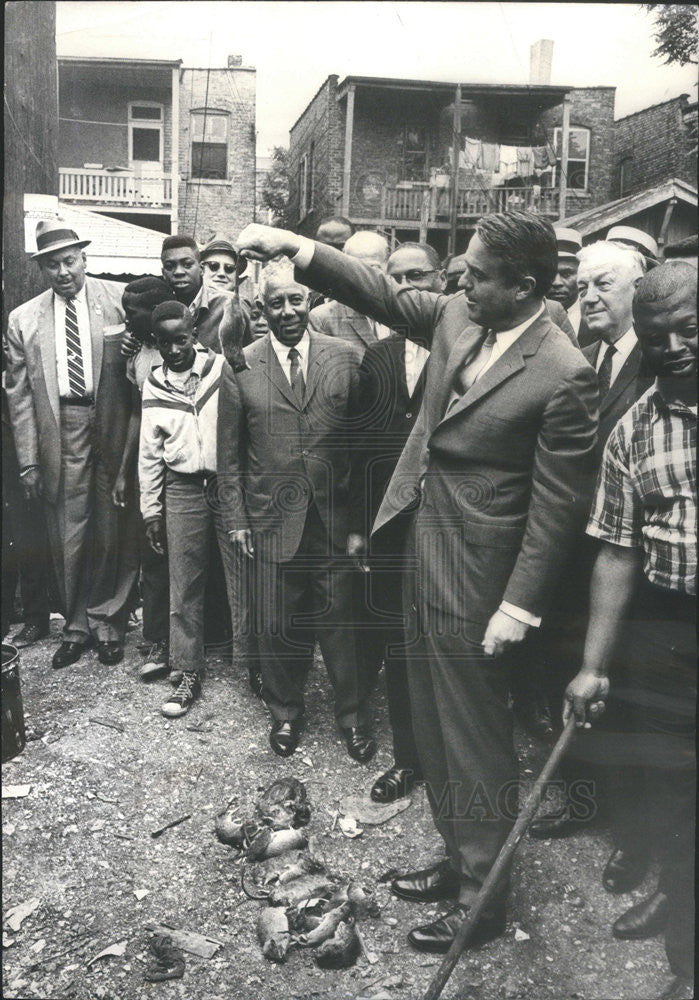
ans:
x=465 y=345
x=275 y=373
x=46 y=330
x=361 y=326
x=96 y=312
x=628 y=372
x=315 y=353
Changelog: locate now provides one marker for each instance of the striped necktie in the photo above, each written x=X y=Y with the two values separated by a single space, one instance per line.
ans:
x=74 y=352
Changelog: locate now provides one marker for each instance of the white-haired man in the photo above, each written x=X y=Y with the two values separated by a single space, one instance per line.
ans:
x=337 y=320
x=284 y=461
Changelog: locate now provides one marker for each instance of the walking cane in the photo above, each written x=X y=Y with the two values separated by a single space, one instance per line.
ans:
x=501 y=865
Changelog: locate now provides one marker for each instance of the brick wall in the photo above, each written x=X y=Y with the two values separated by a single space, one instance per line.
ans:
x=655 y=145
x=208 y=206
x=322 y=124
x=592 y=108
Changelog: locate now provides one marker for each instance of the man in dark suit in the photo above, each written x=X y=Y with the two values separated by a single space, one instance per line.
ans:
x=337 y=320
x=392 y=382
x=69 y=403
x=284 y=446
x=498 y=472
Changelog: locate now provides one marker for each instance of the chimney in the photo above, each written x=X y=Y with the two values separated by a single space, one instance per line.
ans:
x=540 y=58
x=234 y=61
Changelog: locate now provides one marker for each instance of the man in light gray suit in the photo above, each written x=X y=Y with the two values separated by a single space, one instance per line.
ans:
x=338 y=320
x=68 y=400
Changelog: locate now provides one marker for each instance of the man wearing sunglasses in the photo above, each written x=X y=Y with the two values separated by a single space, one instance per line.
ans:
x=219 y=262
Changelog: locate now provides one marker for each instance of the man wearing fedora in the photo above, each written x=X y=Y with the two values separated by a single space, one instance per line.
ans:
x=66 y=382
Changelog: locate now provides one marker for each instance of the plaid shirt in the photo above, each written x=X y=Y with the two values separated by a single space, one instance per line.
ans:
x=647 y=490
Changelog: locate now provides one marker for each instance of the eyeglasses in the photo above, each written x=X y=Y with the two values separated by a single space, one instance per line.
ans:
x=213 y=265
x=412 y=276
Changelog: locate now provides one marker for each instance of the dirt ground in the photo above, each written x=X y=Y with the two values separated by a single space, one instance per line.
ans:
x=79 y=844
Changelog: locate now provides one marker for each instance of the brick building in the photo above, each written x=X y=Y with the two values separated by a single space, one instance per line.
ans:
x=380 y=151
x=159 y=145
x=655 y=145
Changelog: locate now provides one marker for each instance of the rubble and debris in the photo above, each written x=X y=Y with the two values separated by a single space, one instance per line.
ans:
x=15 y=791
x=19 y=913
x=189 y=941
x=108 y=723
x=371 y=813
x=113 y=950
x=349 y=828
x=168 y=826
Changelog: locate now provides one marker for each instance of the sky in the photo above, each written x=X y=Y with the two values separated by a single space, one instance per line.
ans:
x=295 y=45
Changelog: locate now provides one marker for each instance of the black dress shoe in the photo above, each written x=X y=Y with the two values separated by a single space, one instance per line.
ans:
x=428 y=885
x=624 y=871
x=110 y=653
x=284 y=737
x=360 y=746
x=67 y=653
x=646 y=919
x=29 y=634
x=439 y=935
x=394 y=784
x=255 y=681
x=678 y=989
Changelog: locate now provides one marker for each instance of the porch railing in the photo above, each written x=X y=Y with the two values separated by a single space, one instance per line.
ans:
x=91 y=184
x=405 y=203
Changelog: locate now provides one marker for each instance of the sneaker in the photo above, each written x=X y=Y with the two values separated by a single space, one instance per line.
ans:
x=157 y=662
x=184 y=697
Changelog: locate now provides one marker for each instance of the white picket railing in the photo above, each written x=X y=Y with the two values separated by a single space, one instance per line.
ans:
x=110 y=187
x=406 y=202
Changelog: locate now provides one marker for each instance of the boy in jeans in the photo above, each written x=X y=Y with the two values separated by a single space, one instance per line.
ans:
x=139 y=300
x=178 y=449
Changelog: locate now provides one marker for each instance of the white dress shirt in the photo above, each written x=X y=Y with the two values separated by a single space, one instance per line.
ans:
x=303 y=257
x=623 y=347
x=574 y=316
x=415 y=357
x=59 y=319
x=282 y=352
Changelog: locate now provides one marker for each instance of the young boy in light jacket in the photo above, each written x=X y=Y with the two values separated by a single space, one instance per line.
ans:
x=178 y=449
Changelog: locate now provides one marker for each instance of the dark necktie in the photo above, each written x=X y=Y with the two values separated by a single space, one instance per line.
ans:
x=604 y=375
x=74 y=352
x=468 y=373
x=298 y=383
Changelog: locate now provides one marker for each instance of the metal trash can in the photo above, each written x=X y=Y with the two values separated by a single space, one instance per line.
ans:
x=13 y=736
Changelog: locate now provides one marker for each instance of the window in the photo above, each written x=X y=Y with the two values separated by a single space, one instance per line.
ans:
x=414 y=143
x=209 y=145
x=306 y=182
x=578 y=157
x=146 y=133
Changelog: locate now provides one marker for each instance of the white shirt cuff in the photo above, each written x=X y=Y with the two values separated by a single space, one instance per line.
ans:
x=520 y=615
x=304 y=255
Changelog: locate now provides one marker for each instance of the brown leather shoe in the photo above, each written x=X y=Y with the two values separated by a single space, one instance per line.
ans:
x=439 y=935
x=428 y=885
x=646 y=919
